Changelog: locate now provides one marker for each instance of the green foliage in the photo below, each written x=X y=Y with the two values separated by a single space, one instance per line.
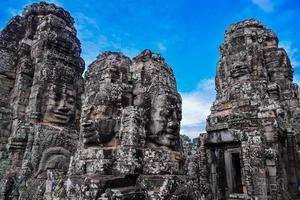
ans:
x=59 y=186
x=3 y=166
x=185 y=138
x=195 y=141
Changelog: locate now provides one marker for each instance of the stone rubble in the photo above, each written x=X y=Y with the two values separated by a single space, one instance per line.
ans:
x=114 y=134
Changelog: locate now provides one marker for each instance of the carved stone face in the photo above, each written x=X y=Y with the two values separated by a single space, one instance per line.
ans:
x=98 y=127
x=165 y=121
x=269 y=40
x=239 y=70
x=61 y=106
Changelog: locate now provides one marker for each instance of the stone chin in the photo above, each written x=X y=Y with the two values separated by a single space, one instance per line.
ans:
x=58 y=118
x=239 y=71
x=60 y=107
x=90 y=137
x=168 y=139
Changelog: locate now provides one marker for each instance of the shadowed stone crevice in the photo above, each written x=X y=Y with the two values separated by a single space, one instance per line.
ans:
x=251 y=143
x=115 y=133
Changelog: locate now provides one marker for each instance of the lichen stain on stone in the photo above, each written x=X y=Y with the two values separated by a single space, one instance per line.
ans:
x=115 y=134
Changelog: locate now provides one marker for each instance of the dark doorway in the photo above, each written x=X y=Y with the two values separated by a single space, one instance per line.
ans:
x=236 y=170
x=233 y=170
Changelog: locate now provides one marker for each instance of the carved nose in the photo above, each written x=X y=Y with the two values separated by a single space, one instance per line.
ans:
x=173 y=125
x=63 y=109
x=62 y=106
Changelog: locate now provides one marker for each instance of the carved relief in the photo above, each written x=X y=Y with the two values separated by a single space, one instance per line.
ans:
x=45 y=99
x=253 y=77
x=61 y=105
x=165 y=116
x=105 y=96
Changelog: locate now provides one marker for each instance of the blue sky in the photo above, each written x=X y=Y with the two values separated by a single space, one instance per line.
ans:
x=186 y=32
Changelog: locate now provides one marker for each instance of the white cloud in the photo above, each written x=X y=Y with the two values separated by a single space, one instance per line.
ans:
x=265 y=5
x=161 y=46
x=206 y=85
x=196 y=107
x=92 y=46
x=292 y=52
x=83 y=21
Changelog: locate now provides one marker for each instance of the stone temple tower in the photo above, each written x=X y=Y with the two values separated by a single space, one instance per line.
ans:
x=40 y=100
x=251 y=141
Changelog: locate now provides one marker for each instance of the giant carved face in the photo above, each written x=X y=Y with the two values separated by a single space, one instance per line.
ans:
x=61 y=106
x=239 y=70
x=98 y=126
x=165 y=119
x=239 y=65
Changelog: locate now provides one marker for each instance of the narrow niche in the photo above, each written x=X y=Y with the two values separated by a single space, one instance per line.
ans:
x=233 y=170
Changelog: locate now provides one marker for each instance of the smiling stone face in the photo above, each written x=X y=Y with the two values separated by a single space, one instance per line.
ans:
x=60 y=108
x=98 y=127
x=239 y=70
x=165 y=119
x=107 y=92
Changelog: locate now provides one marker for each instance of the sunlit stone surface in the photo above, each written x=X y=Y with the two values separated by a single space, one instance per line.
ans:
x=115 y=134
x=251 y=145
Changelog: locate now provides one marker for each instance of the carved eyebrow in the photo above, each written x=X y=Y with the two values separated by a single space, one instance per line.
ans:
x=70 y=94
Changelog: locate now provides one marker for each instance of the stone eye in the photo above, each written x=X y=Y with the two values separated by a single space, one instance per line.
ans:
x=70 y=100
x=162 y=113
x=57 y=97
x=165 y=113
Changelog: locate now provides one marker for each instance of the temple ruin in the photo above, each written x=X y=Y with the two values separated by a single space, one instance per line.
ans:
x=251 y=142
x=114 y=132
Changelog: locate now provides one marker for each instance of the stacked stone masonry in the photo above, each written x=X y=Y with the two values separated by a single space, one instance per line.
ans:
x=251 y=148
x=114 y=132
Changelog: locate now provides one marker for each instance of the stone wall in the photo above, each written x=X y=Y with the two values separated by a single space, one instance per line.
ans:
x=122 y=141
x=114 y=134
x=42 y=86
x=129 y=144
x=254 y=116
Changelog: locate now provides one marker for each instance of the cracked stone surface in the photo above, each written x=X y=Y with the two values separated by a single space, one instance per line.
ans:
x=129 y=143
x=255 y=116
x=102 y=136
x=41 y=72
x=114 y=133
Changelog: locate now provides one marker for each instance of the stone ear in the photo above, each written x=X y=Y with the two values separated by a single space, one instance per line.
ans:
x=54 y=158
